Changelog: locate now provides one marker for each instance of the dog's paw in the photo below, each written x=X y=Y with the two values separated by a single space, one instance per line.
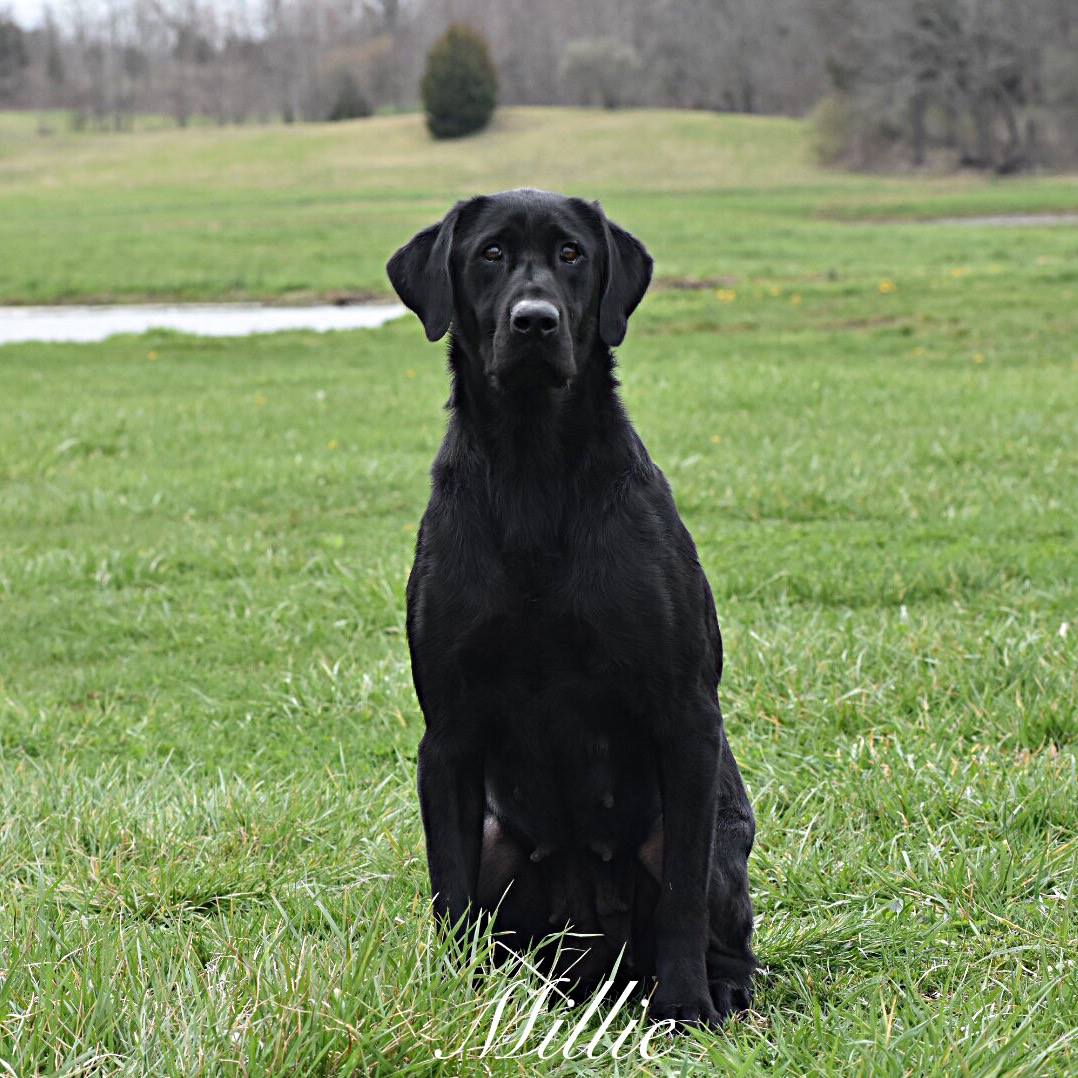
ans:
x=686 y=1011
x=728 y=997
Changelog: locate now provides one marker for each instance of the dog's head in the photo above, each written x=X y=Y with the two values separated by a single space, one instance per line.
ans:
x=530 y=282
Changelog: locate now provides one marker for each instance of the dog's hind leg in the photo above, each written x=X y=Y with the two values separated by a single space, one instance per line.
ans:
x=730 y=961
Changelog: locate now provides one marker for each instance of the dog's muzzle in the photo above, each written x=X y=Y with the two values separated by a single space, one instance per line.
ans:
x=533 y=347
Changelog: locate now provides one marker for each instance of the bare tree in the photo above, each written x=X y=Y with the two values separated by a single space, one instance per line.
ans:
x=14 y=60
x=600 y=71
x=968 y=76
x=991 y=83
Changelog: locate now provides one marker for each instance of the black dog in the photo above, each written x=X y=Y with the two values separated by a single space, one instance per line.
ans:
x=564 y=644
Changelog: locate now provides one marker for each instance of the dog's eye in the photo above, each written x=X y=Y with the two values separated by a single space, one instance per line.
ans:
x=569 y=252
x=492 y=252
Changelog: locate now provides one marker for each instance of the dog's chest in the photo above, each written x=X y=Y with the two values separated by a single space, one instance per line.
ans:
x=531 y=643
x=568 y=755
x=543 y=627
x=532 y=577
x=561 y=653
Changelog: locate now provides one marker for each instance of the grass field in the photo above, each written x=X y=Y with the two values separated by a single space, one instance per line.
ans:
x=210 y=852
x=311 y=210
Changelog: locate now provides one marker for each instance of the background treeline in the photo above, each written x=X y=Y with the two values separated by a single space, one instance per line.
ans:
x=983 y=83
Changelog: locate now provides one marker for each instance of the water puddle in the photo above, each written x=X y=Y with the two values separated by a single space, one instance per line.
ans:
x=203 y=320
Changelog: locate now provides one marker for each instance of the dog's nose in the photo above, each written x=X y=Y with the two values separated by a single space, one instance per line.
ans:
x=534 y=318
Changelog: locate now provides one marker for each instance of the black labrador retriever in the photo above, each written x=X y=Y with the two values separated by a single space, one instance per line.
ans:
x=564 y=643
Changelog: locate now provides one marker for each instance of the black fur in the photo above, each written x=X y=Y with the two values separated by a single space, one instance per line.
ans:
x=565 y=649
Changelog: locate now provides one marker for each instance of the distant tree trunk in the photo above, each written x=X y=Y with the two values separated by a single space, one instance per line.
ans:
x=950 y=125
x=748 y=94
x=1012 y=158
x=982 y=126
x=918 y=107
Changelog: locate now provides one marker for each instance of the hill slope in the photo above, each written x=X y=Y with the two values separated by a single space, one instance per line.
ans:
x=306 y=211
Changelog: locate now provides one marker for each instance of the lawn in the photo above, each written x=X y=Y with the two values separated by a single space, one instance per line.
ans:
x=210 y=852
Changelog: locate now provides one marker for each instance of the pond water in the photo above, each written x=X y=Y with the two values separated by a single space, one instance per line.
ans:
x=203 y=320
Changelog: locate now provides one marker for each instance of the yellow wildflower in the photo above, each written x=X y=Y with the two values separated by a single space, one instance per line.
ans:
x=725 y=295
x=887 y=286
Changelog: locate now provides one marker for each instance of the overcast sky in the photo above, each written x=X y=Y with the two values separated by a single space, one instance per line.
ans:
x=26 y=12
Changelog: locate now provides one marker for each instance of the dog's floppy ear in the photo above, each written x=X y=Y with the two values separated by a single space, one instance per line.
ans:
x=628 y=274
x=419 y=272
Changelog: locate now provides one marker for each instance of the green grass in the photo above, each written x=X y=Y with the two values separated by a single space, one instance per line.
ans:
x=210 y=852
x=312 y=210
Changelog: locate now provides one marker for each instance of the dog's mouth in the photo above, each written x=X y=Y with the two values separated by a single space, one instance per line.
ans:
x=531 y=369
x=529 y=379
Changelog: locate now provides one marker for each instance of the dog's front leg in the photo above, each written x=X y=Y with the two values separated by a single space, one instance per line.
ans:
x=451 y=799
x=688 y=763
